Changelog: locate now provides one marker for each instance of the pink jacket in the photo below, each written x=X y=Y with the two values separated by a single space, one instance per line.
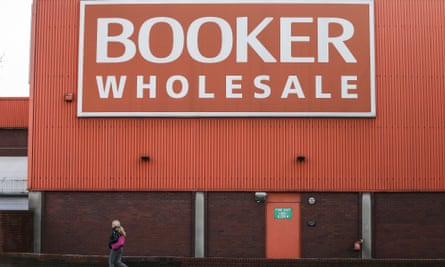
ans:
x=120 y=243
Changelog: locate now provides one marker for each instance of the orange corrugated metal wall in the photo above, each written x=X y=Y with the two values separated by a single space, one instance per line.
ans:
x=402 y=149
x=14 y=112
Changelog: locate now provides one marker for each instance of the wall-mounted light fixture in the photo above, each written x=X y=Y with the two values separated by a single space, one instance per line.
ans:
x=145 y=158
x=311 y=200
x=301 y=158
x=260 y=197
x=311 y=223
x=69 y=97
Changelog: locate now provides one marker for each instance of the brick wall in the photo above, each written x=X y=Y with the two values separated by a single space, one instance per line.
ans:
x=157 y=223
x=16 y=231
x=235 y=225
x=406 y=225
x=162 y=223
x=36 y=260
x=337 y=225
x=409 y=225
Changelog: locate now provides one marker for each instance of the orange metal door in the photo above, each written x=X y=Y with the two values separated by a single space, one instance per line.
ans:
x=283 y=225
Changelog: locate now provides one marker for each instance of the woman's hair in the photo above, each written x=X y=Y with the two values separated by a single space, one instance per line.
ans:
x=115 y=223
x=121 y=230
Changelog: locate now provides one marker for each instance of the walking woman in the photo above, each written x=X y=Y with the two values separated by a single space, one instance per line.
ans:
x=116 y=244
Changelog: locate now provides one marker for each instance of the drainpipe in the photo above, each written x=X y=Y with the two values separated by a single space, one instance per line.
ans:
x=366 y=245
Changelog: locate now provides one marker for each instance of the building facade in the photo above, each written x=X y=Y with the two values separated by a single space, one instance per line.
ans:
x=16 y=219
x=13 y=153
x=241 y=186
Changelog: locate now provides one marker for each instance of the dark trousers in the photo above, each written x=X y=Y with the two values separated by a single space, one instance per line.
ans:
x=115 y=259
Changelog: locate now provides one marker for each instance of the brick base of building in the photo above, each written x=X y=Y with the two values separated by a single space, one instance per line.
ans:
x=58 y=260
x=16 y=231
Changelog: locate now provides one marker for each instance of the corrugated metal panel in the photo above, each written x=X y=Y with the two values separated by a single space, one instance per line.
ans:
x=14 y=112
x=402 y=149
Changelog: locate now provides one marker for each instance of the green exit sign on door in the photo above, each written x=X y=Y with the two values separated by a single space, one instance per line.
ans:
x=282 y=213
